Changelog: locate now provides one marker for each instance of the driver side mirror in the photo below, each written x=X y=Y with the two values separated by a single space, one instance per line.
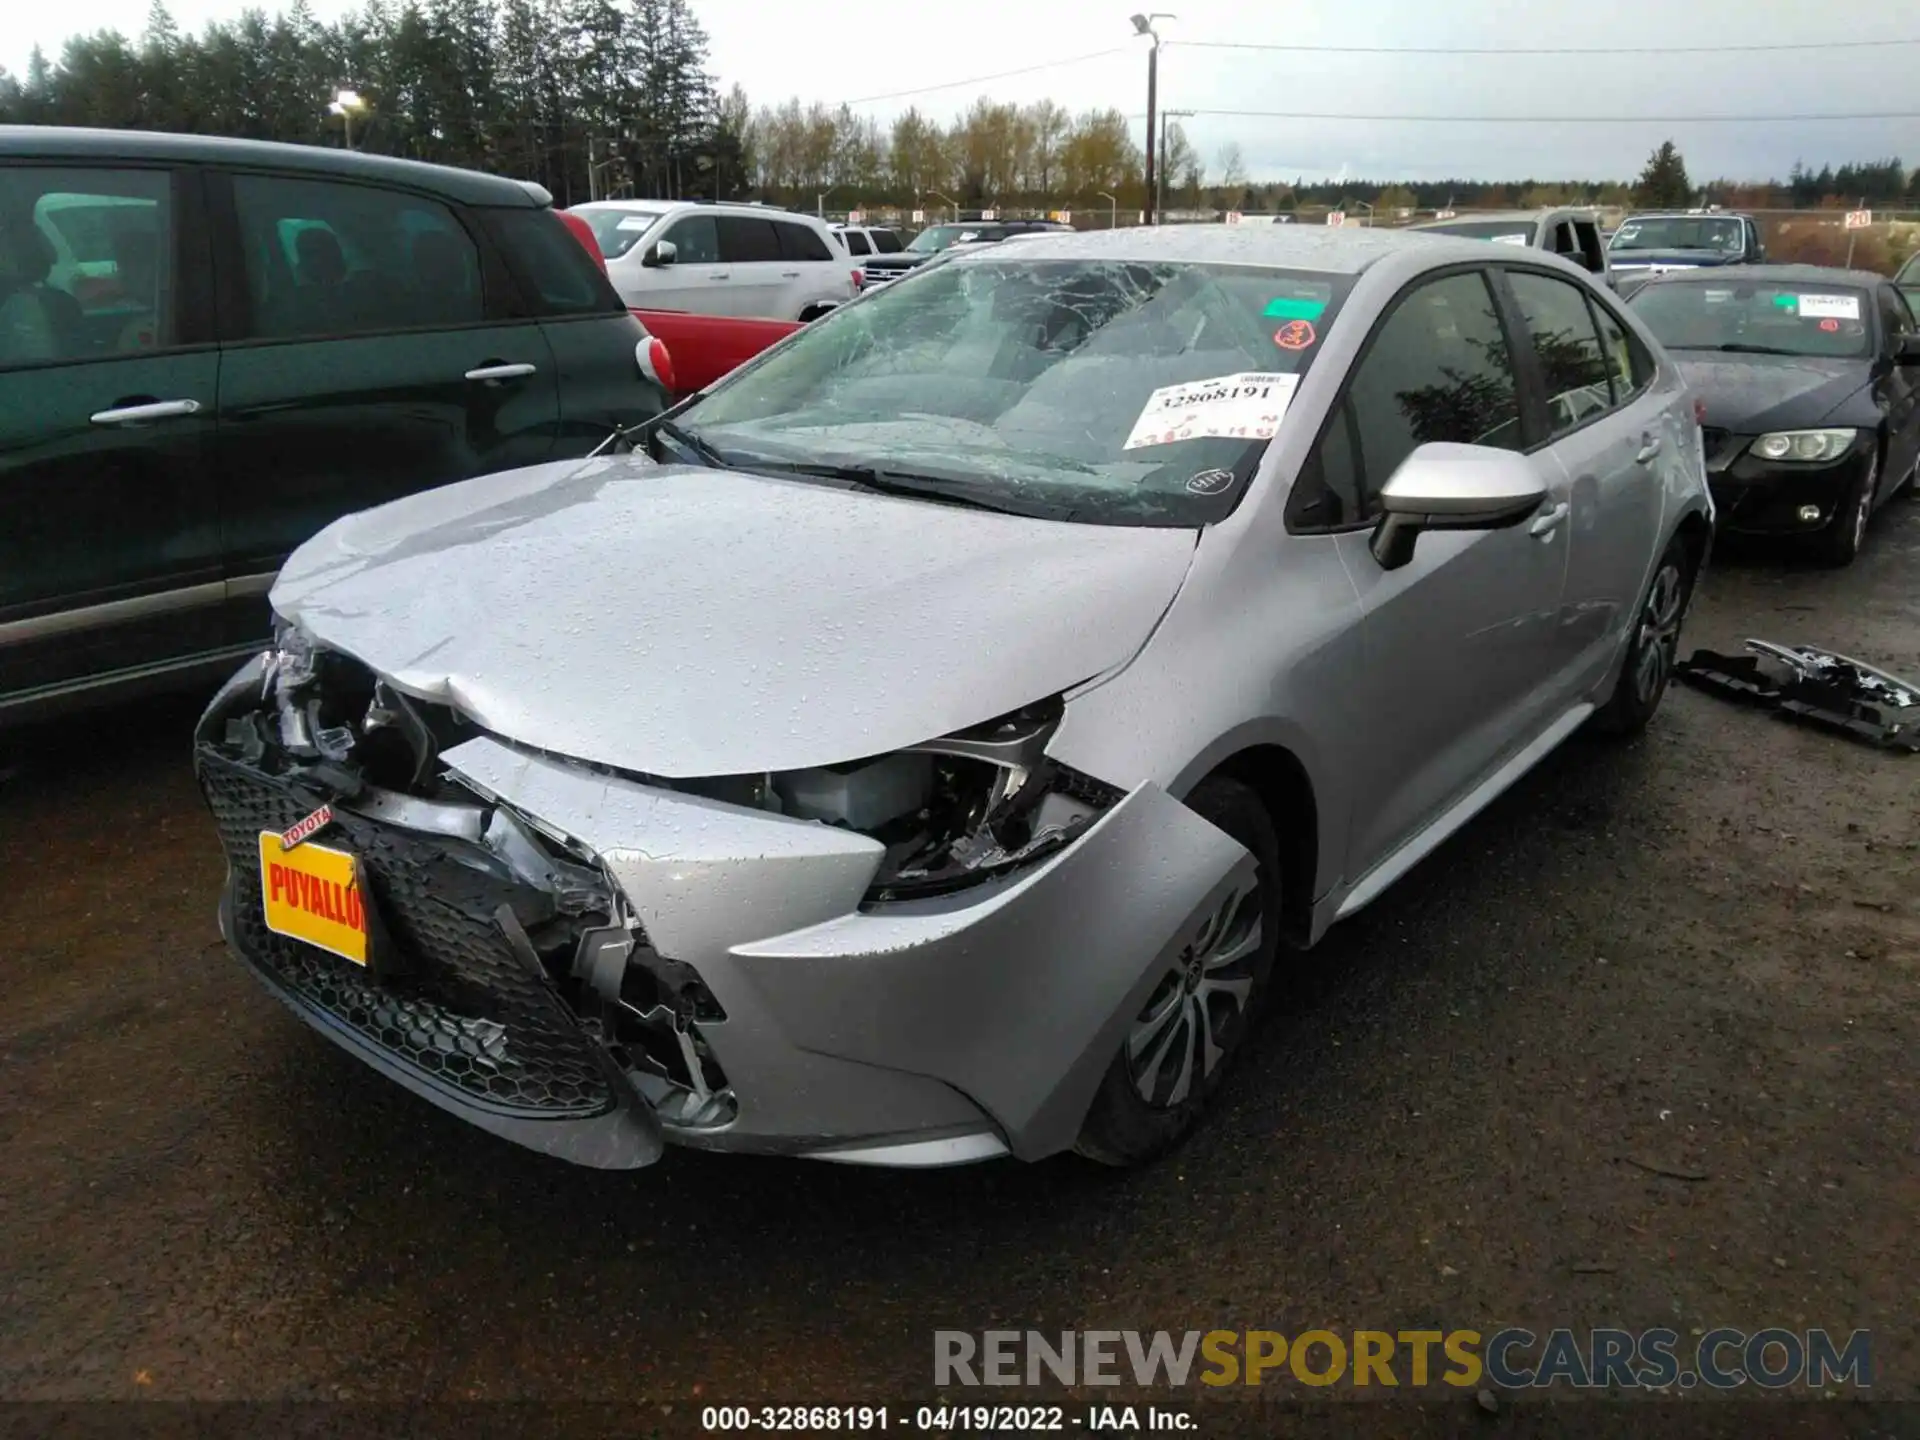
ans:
x=1907 y=352
x=661 y=252
x=1443 y=486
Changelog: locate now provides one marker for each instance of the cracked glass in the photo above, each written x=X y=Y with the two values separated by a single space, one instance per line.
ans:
x=1022 y=381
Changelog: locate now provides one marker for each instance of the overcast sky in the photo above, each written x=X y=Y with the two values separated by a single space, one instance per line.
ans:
x=830 y=53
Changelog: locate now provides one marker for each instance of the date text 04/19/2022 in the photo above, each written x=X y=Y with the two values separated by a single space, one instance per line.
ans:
x=944 y=1419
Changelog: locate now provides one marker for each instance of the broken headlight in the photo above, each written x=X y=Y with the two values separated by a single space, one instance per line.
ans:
x=952 y=812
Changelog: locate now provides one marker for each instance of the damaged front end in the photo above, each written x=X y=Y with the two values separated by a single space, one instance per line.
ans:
x=926 y=957
x=497 y=971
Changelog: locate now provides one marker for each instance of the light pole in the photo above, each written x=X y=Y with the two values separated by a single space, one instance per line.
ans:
x=1160 y=180
x=346 y=104
x=1369 y=209
x=1143 y=25
x=1113 y=208
x=951 y=201
x=820 y=204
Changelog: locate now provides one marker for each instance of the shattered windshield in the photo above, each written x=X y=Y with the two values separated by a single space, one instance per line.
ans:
x=1795 y=319
x=1111 y=392
x=1680 y=232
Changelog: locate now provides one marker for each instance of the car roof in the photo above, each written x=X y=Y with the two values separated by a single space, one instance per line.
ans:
x=58 y=142
x=1688 y=215
x=665 y=207
x=1334 y=250
x=1775 y=274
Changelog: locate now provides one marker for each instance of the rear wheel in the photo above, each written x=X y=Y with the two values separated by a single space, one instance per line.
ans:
x=1840 y=542
x=1654 y=649
x=1197 y=1018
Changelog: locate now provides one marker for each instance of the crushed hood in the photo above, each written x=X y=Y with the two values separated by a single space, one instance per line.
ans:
x=1751 y=394
x=684 y=622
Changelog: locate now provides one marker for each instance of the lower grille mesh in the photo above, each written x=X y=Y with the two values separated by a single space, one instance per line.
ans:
x=465 y=1012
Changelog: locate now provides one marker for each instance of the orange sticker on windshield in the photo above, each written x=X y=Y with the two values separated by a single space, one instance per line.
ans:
x=1830 y=325
x=1295 y=335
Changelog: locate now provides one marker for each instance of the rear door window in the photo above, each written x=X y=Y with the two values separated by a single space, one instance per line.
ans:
x=1567 y=345
x=329 y=258
x=747 y=240
x=886 y=242
x=801 y=242
x=856 y=242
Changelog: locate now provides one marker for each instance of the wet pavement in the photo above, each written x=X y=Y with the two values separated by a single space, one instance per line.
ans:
x=1695 y=954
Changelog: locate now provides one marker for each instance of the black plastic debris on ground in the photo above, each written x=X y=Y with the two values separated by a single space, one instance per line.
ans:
x=1806 y=683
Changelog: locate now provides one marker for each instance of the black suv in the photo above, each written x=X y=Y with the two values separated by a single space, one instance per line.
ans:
x=935 y=238
x=210 y=348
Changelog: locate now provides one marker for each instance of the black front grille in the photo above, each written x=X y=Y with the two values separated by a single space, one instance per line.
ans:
x=463 y=1011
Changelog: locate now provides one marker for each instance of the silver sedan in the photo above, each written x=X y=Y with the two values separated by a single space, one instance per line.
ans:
x=937 y=741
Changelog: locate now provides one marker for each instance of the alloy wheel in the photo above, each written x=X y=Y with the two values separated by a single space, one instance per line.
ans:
x=1192 y=1017
x=1659 y=639
x=1863 y=507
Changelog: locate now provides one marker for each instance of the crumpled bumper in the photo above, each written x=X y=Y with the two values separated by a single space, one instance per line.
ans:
x=981 y=1021
x=930 y=1032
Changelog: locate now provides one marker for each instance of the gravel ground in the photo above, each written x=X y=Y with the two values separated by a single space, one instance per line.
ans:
x=1695 y=954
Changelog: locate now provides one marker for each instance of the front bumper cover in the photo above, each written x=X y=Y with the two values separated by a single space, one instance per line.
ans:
x=931 y=1032
x=848 y=1024
x=1764 y=497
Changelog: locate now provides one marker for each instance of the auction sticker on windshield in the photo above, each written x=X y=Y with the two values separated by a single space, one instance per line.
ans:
x=1829 y=307
x=1247 y=406
x=311 y=893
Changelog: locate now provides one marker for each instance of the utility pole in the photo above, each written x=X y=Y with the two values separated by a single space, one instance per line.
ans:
x=1143 y=25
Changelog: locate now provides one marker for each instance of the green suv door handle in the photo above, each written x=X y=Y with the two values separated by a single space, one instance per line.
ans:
x=141 y=413
x=502 y=372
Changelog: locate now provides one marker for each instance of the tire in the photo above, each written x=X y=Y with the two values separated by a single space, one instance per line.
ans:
x=1164 y=1052
x=1840 y=542
x=1654 y=648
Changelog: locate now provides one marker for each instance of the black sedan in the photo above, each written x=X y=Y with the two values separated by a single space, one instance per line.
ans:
x=1811 y=384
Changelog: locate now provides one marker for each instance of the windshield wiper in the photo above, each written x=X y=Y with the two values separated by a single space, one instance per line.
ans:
x=703 y=450
x=1735 y=347
x=910 y=484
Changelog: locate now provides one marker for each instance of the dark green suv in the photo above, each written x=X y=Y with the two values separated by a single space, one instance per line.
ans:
x=209 y=349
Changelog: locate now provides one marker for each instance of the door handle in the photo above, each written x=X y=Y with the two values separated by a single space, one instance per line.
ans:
x=789 y=274
x=1649 y=447
x=719 y=275
x=502 y=371
x=143 y=411
x=1551 y=521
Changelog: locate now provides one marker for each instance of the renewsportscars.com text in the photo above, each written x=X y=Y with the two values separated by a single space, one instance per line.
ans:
x=1722 y=1359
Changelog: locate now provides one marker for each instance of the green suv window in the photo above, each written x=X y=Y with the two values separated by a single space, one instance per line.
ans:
x=326 y=258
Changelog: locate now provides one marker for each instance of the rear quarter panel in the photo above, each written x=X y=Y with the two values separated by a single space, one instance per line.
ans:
x=601 y=384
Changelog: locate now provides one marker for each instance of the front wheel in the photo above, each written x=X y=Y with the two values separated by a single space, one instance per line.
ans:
x=1197 y=1018
x=1840 y=542
x=1654 y=649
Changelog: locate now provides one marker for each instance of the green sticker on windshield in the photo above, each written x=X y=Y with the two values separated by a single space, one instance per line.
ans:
x=1285 y=307
x=1787 y=302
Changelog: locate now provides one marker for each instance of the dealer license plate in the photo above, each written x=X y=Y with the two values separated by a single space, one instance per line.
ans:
x=312 y=893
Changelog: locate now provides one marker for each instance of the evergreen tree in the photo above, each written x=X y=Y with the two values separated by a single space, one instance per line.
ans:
x=1663 y=184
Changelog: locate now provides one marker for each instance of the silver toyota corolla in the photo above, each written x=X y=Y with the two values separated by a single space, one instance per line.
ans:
x=934 y=742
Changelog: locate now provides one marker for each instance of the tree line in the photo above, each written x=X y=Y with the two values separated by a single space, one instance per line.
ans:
x=616 y=97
